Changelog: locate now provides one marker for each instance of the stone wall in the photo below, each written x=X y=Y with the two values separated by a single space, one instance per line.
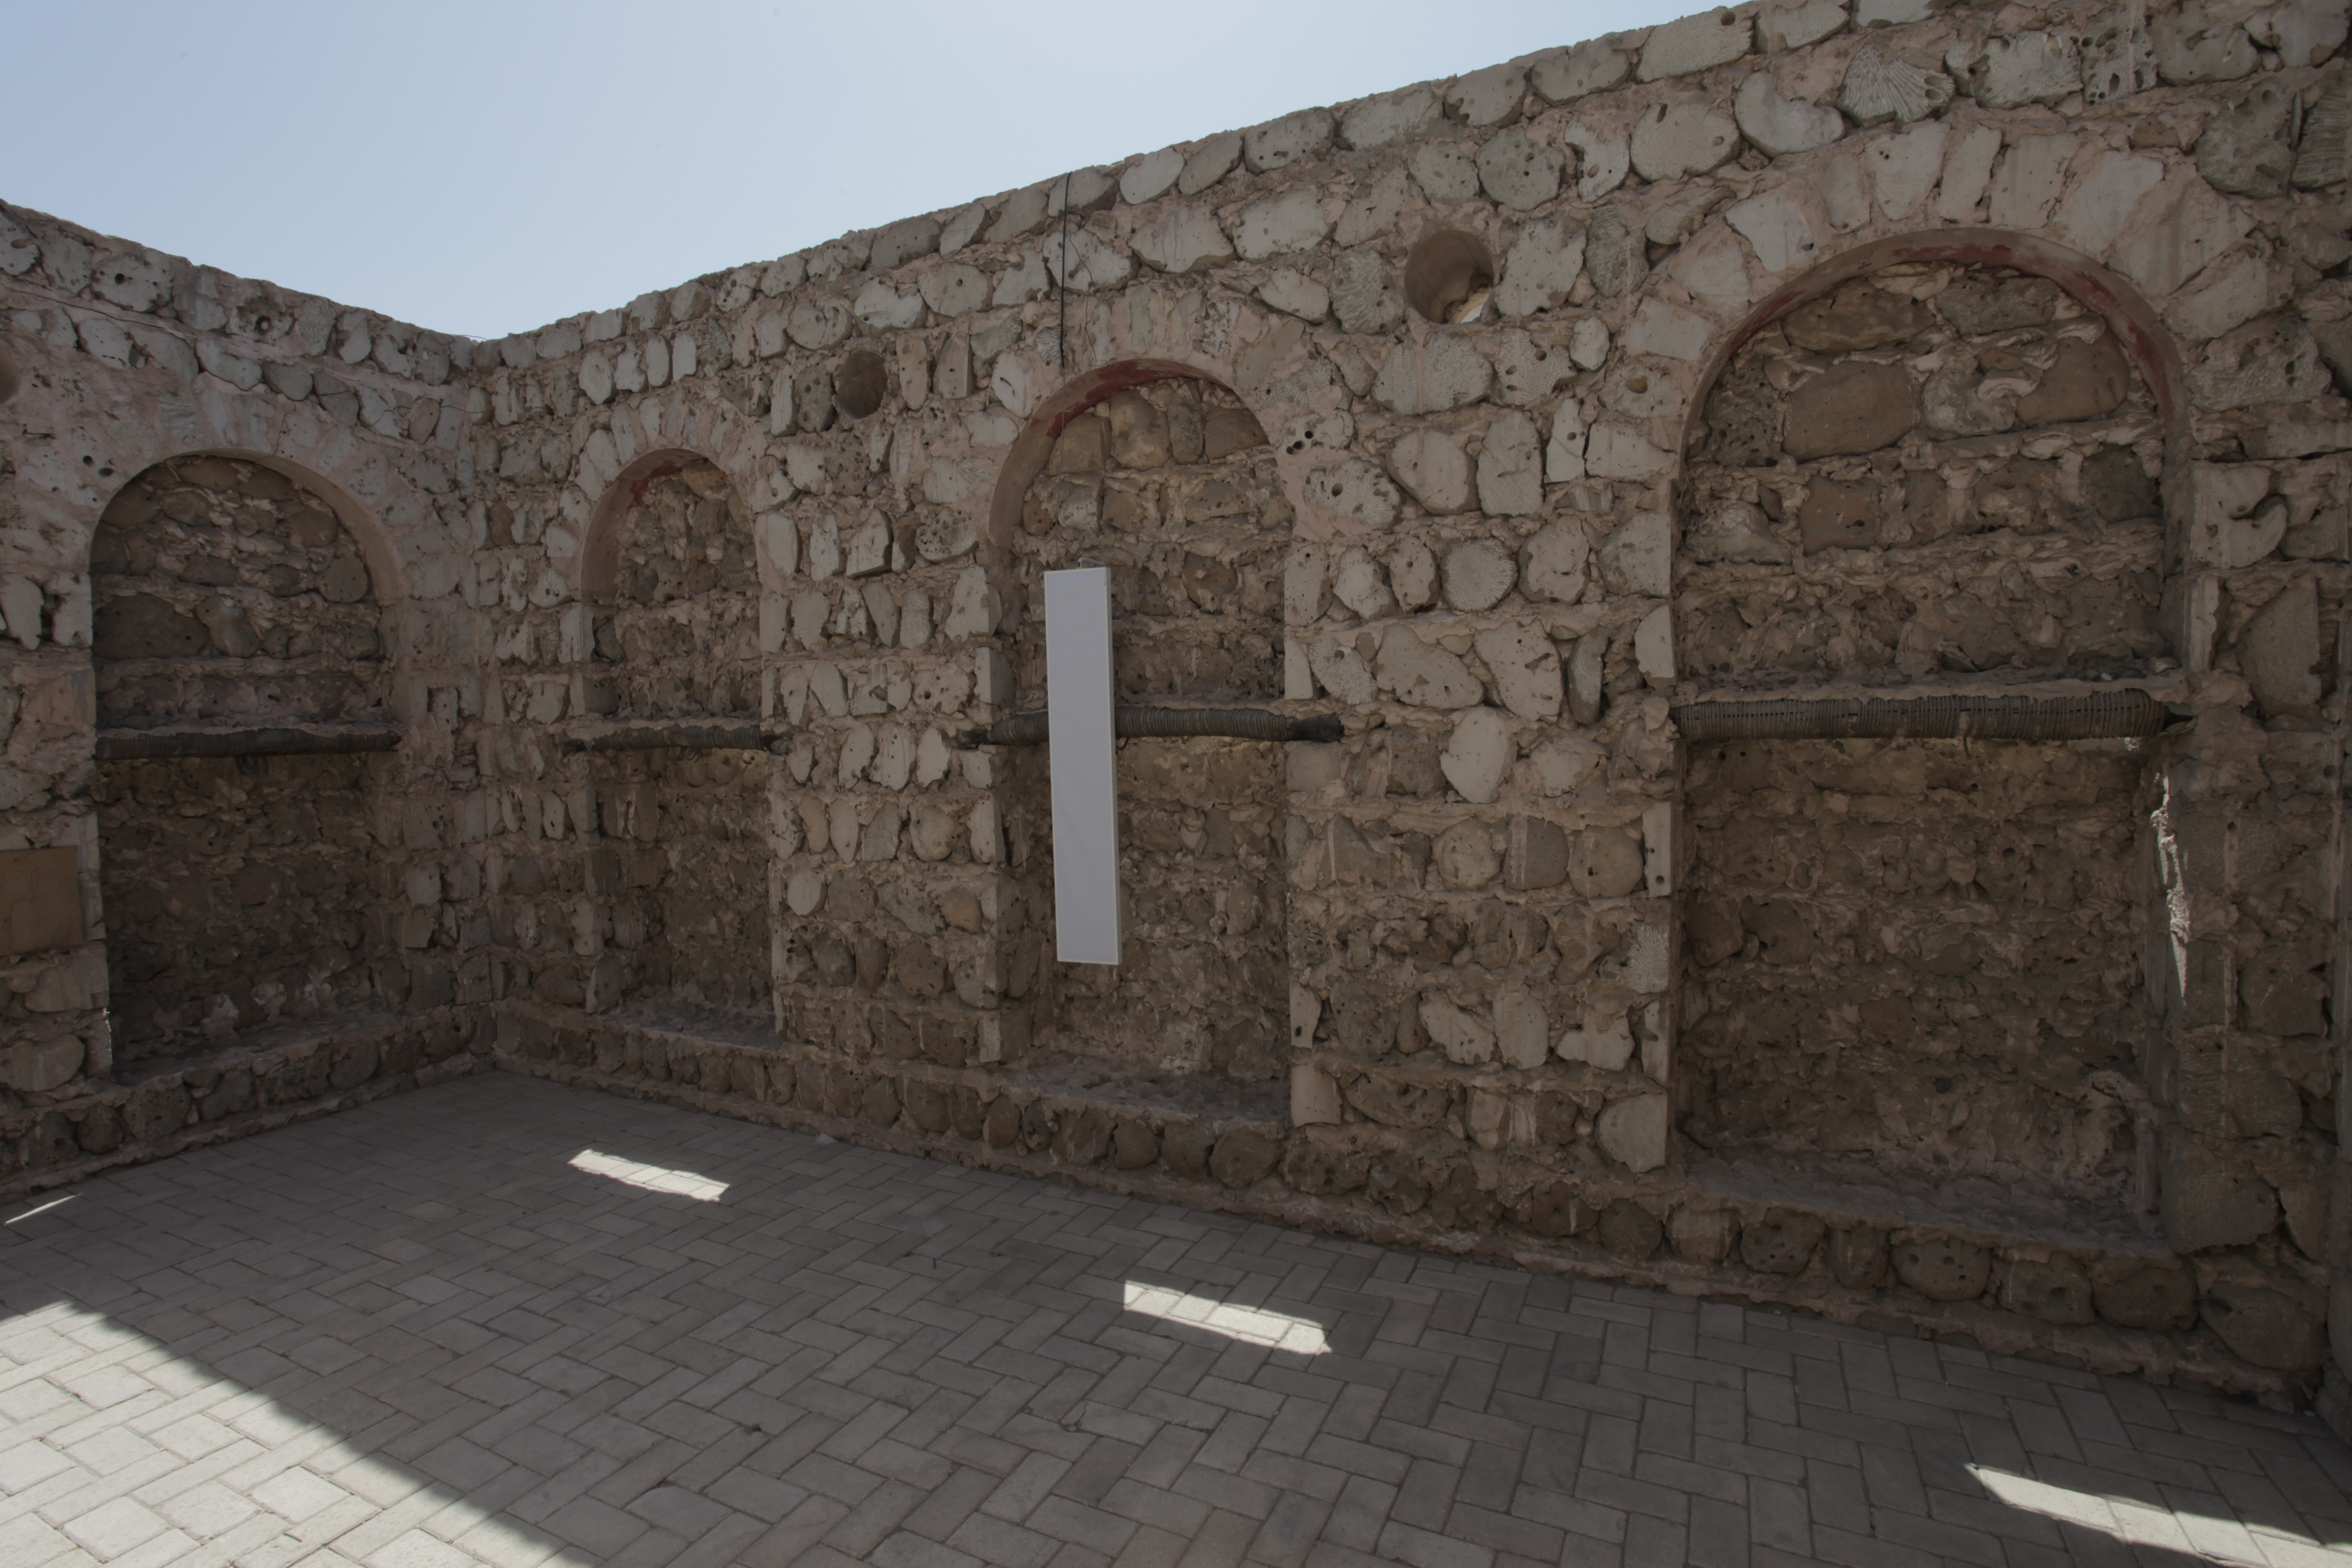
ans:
x=682 y=876
x=1932 y=470
x=1926 y=957
x=245 y=892
x=1580 y=377
x=1171 y=485
x=223 y=591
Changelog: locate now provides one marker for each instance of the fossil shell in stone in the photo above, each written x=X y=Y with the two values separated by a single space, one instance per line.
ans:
x=2325 y=155
x=1878 y=88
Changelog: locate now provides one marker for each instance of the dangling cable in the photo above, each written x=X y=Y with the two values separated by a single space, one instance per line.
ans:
x=1062 y=334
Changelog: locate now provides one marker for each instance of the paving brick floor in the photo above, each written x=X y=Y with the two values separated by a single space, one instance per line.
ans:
x=506 y=1322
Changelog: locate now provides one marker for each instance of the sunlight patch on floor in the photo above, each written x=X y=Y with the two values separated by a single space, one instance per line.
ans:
x=43 y=1207
x=300 y=1485
x=652 y=1178
x=2136 y=1523
x=1252 y=1325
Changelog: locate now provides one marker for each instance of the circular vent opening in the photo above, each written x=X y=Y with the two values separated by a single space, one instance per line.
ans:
x=861 y=383
x=1448 y=275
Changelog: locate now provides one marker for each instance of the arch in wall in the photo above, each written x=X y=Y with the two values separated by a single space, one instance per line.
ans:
x=1030 y=451
x=645 y=436
x=2126 y=310
x=689 y=921
x=310 y=599
x=2153 y=356
x=385 y=570
x=611 y=539
x=1953 y=950
x=240 y=888
x=600 y=556
x=1196 y=519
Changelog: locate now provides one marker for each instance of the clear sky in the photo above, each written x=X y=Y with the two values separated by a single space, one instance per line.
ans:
x=484 y=167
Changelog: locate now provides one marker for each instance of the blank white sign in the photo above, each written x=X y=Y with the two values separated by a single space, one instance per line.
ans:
x=1082 y=753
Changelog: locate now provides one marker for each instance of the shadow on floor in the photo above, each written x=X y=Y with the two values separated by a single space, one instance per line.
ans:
x=510 y=1322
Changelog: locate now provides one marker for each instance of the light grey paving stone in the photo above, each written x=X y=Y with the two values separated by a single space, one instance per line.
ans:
x=419 y=1336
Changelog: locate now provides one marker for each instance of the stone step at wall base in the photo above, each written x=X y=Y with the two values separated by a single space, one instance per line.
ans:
x=263 y=1054
x=562 y=1045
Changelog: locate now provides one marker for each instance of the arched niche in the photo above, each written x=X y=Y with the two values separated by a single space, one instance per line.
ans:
x=671 y=572
x=2138 y=329
x=610 y=521
x=1165 y=476
x=1033 y=447
x=233 y=594
x=1918 y=409
x=226 y=589
x=672 y=587
x=1936 y=464
x=387 y=577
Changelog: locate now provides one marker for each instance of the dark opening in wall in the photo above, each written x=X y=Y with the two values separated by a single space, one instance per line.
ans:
x=1448 y=275
x=861 y=383
x=1921 y=963
x=238 y=890
x=682 y=874
x=1936 y=470
x=1172 y=486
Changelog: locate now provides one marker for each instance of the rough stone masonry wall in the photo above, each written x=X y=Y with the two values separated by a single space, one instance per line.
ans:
x=689 y=830
x=1171 y=486
x=1437 y=303
x=895 y=928
x=1929 y=953
x=280 y=905
x=223 y=593
x=1925 y=956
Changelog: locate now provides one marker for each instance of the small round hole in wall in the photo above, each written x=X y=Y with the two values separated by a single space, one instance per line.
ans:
x=861 y=383
x=1448 y=275
x=9 y=375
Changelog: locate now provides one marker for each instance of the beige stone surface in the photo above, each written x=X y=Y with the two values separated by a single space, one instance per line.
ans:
x=699 y=1339
x=690 y=617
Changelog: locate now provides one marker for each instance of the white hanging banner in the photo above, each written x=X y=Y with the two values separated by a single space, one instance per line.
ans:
x=1083 y=757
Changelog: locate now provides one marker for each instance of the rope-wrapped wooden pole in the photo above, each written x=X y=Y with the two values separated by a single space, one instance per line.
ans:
x=133 y=745
x=723 y=736
x=1156 y=723
x=2088 y=716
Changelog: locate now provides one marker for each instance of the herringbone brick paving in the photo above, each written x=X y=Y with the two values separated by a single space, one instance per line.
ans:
x=417 y=1334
